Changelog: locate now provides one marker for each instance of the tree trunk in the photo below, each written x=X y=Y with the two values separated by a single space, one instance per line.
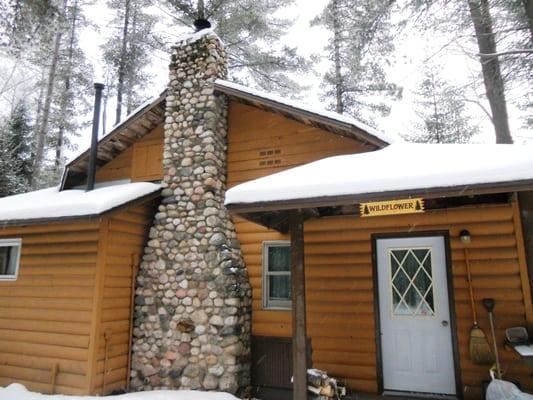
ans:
x=43 y=128
x=122 y=62
x=528 y=9
x=66 y=90
x=40 y=99
x=435 y=109
x=133 y=50
x=339 y=104
x=201 y=9
x=490 y=66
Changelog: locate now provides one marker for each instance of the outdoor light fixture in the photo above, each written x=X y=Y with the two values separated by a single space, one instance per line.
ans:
x=465 y=237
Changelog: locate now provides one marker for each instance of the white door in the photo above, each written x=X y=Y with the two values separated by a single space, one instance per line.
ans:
x=416 y=337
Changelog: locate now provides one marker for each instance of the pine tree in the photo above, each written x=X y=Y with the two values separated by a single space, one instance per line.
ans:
x=73 y=88
x=53 y=42
x=16 y=152
x=359 y=49
x=22 y=21
x=498 y=34
x=62 y=97
x=441 y=108
x=252 y=34
x=129 y=57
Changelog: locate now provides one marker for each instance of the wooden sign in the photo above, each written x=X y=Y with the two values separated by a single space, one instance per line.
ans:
x=392 y=207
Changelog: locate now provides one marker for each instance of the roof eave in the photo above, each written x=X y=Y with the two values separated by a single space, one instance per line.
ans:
x=72 y=218
x=351 y=199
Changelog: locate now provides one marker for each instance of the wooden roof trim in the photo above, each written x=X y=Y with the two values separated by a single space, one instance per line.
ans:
x=150 y=112
x=302 y=115
x=343 y=200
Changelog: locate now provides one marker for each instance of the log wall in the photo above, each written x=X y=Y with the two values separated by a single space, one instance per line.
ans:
x=127 y=234
x=261 y=143
x=141 y=161
x=339 y=287
x=45 y=315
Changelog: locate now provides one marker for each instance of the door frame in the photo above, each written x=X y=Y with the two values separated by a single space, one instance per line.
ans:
x=445 y=235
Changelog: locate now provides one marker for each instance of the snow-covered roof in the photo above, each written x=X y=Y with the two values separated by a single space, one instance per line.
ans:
x=298 y=105
x=51 y=203
x=403 y=167
x=16 y=391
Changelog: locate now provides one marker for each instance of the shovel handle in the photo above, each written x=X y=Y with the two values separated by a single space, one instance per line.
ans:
x=470 y=288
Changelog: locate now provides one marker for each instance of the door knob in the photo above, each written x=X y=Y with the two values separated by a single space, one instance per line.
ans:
x=444 y=323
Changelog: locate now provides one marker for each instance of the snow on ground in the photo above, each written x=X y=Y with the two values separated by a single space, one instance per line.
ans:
x=17 y=391
x=51 y=203
x=400 y=166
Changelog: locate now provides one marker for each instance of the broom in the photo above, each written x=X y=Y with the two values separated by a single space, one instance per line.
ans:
x=480 y=352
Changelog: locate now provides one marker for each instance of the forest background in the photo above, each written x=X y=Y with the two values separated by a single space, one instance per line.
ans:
x=434 y=71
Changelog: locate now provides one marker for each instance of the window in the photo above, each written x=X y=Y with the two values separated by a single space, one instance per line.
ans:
x=9 y=258
x=412 y=282
x=277 y=275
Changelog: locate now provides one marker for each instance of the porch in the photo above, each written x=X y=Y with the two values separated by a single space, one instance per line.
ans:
x=334 y=267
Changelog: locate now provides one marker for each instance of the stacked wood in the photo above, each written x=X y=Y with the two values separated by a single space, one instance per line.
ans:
x=319 y=383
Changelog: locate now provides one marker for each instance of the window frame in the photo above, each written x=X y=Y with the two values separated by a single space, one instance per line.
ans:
x=17 y=243
x=269 y=304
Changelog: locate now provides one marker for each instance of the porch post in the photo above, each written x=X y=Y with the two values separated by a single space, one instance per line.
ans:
x=299 y=332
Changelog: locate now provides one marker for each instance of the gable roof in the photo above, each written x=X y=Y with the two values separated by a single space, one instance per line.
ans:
x=296 y=110
x=134 y=127
x=398 y=171
x=151 y=113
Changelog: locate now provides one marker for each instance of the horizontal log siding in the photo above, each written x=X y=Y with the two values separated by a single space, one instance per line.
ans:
x=121 y=166
x=339 y=288
x=45 y=315
x=261 y=143
x=126 y=237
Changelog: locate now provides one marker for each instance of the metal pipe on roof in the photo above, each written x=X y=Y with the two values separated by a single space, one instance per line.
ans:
x=91 y=169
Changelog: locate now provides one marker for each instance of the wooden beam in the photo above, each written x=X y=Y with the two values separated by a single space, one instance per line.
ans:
x=525 y=202
x=522 y=261
x=299 y=329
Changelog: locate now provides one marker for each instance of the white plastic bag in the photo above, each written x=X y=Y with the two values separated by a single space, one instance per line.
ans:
x=503 y=390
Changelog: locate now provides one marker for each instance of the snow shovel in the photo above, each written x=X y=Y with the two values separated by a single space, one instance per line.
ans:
x=489 y=306
x=479 y=347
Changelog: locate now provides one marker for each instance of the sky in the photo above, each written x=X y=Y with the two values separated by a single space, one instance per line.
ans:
x=412 y=52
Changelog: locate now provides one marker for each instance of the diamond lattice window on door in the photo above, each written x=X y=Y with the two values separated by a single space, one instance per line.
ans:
x=411 y=282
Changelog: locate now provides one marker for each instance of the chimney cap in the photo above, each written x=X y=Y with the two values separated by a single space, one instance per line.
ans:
x=201 y=23
x=98 y=85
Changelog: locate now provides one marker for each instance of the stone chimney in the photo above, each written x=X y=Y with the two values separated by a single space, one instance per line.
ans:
x=193 y=300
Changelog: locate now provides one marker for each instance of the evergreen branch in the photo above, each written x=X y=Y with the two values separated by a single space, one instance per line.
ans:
x=505 y=53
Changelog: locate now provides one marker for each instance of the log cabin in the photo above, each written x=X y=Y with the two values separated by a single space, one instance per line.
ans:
x=148 y=282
